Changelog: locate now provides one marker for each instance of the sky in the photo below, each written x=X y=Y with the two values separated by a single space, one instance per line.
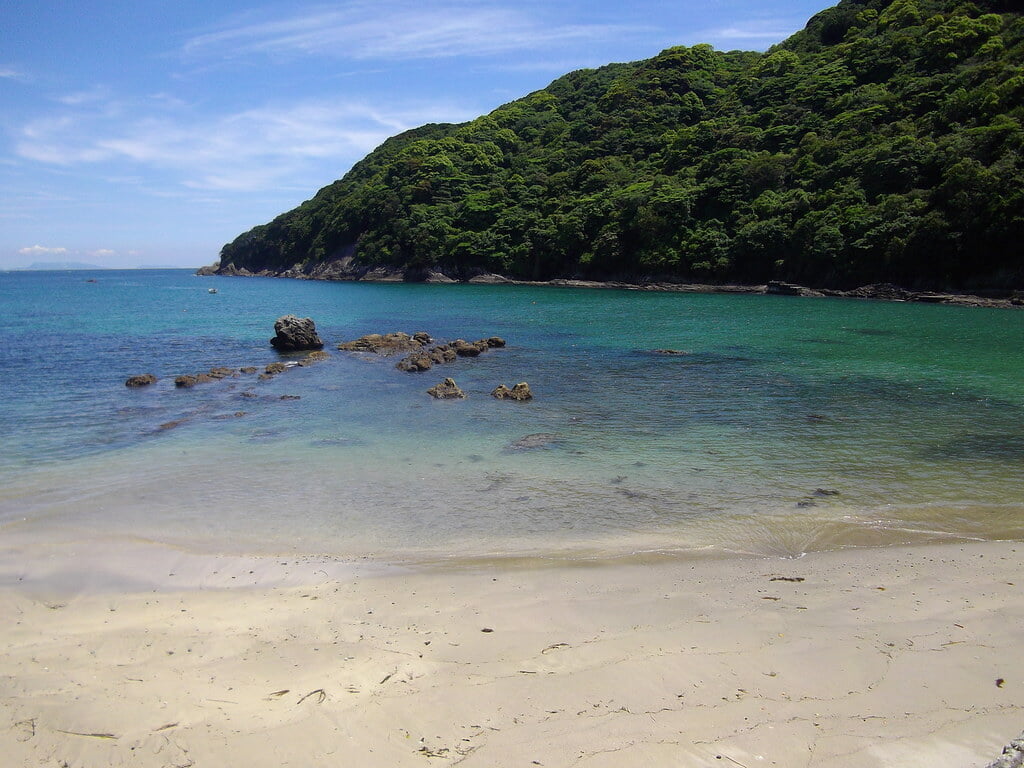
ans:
x=152 y=132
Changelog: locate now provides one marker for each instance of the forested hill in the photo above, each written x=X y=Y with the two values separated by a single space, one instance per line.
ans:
x=882 y=143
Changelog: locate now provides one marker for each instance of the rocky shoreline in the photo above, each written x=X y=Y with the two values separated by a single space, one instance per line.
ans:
x=344 y=270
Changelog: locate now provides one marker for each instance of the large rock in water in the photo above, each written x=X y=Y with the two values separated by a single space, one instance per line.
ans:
x=295 y=334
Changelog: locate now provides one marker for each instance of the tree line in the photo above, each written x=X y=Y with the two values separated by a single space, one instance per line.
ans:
x=882 y=143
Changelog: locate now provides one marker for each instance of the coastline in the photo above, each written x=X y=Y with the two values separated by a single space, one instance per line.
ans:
x=900 y=656
x=343 y=270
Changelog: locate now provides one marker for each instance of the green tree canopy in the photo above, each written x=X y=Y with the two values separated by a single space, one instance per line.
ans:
x=883 y=142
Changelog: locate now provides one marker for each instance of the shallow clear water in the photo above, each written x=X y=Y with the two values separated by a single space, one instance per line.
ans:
x=788 y=425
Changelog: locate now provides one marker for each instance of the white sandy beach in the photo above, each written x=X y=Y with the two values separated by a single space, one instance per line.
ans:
x=858 y=658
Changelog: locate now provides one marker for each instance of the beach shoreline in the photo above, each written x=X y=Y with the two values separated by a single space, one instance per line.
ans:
x=897 y=656
x=343 y=271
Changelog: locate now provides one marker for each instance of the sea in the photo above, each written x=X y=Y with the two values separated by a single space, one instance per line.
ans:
x=775 y=426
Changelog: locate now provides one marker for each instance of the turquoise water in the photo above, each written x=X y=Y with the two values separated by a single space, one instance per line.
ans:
x=787 y=425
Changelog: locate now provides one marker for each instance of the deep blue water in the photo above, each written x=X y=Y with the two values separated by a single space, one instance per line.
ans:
x=787 y=424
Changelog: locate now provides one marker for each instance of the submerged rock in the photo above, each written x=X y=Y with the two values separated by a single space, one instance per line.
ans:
x=418 y=355
x=535 y=441
x=295 y=334
x=141 y=380
x=446 y=390
x=316 y=356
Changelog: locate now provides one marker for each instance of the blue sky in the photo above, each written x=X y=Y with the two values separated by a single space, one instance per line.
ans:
x=152 y=132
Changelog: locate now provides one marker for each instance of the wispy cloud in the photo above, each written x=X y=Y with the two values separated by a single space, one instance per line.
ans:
x=397 y=30
x=95 y=95
x=41 y=250
x=253 y=149
x=10 y=74
x=764 y=31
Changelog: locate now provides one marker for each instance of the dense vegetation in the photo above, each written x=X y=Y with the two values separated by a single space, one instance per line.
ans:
x=881 y=143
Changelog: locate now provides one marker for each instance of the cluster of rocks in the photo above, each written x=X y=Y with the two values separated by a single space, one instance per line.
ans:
x=419 y=355
x=293 y=334
x=448 y=389
x=446 y=353
x=189 y=380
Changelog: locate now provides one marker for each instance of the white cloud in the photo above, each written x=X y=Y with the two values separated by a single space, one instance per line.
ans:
x=10 y=74
x=102 y=253
x=40 y=250
x=253 y=149
x=396 y=31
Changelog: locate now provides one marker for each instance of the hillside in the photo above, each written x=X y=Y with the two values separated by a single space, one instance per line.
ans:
x=882 y=143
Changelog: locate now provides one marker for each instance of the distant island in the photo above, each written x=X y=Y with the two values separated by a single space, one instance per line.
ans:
x=61 y=266
x=883 y=143
x=56 y=266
